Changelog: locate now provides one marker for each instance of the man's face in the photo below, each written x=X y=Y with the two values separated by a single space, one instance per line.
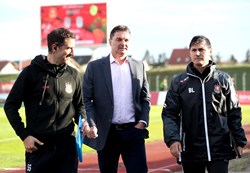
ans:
x=200 y=54
x=120 y=43
x=64 y=53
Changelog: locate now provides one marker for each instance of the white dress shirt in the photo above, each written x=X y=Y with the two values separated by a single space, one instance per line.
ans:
x=122 y=92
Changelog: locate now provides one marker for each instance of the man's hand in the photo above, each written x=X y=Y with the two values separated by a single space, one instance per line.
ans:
x=85 y=128
x=140 y=125
x=93 y=132
x=176 y=149
x=240 y=150
x=29 y=144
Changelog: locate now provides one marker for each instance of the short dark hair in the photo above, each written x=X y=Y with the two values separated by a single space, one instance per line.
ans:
x=58 y=36
x=199 y=38
x=119 y=28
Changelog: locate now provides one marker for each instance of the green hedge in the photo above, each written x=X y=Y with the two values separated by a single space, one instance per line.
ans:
x=155 y=76
x=238 y=72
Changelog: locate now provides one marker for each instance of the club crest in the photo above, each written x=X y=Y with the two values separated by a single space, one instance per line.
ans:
x=68 y=87
x=217 y=88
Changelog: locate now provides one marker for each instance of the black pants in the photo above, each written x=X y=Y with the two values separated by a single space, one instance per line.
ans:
x=55 y=156
x=130 y=144
x=219 y=166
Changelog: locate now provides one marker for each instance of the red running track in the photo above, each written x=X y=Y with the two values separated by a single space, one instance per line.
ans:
x=158 y=156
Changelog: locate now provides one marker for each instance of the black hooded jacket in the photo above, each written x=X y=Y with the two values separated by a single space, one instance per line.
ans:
x=203 y=113
x=52 y=98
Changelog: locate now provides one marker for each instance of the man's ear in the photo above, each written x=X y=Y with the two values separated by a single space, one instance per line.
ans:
x=211 y=52
x=110 y=42
x=54 y=46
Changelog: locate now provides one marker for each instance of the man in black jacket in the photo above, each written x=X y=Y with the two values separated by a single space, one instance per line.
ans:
x=202 y=115
x=52 y=97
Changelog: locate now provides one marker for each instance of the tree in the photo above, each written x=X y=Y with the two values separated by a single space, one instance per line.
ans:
x=218 y=59
x=162 y=58
x=248 y=56
x=233 y=60
x=148 y=58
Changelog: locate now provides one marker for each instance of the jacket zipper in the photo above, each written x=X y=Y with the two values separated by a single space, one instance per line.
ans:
x=182 y=137
x=44 y=89
x=204 y=115
x=205 y=121
x=57 y=103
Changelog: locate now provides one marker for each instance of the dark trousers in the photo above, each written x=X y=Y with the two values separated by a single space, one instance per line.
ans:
x=218 y=166
x=55 y=156
x=130 y=144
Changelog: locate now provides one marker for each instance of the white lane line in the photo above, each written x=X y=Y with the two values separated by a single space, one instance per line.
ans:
x=8 y=139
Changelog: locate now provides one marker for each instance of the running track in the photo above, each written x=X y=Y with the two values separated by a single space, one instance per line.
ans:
x=158 y=157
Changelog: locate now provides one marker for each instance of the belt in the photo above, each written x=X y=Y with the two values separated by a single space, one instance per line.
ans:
x=123 y=126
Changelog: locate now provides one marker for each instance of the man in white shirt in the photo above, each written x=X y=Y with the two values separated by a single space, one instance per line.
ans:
x=117 y=101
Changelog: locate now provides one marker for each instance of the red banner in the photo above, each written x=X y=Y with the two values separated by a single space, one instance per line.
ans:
x=5 y=87
x=244 y=97
x=157 y=98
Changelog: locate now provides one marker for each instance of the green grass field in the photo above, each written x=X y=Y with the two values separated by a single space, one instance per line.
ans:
x=12 y=150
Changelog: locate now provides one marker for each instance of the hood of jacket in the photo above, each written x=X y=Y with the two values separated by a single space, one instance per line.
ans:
x=52 y=69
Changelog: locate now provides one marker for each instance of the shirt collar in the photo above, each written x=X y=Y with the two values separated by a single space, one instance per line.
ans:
x=113 y=60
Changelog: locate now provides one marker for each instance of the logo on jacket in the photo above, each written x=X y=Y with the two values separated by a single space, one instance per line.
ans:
x=181 y=81
x=68 y=87
x=191 y=90
x=217 y=88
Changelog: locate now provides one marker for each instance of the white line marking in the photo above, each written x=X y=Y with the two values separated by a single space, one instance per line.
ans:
x=8 y=139
x=13 y=169
x=162 y=168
